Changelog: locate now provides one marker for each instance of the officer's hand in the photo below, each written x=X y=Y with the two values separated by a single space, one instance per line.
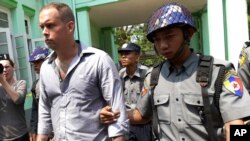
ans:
x=32 y=137
x=107 y=116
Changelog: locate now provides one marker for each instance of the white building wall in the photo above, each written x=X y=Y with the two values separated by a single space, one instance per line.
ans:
x=237 y=28
x=216 y=28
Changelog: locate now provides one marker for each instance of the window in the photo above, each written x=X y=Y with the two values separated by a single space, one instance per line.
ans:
x=26 y=27
x=4 y=20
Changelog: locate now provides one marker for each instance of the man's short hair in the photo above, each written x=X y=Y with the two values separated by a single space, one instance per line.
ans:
x=65 y=12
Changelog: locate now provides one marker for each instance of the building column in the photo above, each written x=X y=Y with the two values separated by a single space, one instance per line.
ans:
x=237 y=27
x=108 y=43
x=83 y=21
x=216 y=29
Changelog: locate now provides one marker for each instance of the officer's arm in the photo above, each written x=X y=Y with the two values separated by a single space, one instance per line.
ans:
x=135 y=117
x=41 y=137
x=109 y=117
x=118 y=138
x=227 y=126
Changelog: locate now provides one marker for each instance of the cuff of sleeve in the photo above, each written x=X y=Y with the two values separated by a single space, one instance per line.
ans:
x=43 y=130
x=118 y=128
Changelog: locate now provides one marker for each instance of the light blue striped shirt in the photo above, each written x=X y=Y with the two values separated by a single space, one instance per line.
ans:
x=72 y=106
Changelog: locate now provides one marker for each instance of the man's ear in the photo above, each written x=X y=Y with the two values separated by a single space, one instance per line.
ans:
x=191 y=31
x=14 y=68
x=71 y=26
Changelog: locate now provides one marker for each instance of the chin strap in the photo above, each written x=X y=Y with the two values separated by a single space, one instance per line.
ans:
x=182 y=46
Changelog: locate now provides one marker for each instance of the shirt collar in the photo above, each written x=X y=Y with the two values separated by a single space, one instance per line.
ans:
x=137 y=72
x=189 y=66
x=83 y=49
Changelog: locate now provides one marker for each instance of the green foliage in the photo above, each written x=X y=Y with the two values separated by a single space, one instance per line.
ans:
x=137 y=34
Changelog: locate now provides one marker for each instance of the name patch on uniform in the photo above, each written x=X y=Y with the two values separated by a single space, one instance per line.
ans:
x=233 y=83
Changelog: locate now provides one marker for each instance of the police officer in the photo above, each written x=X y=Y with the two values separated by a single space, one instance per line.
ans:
x=36 y=58
x=177 y=103
x=133 y=75
x=243 y=65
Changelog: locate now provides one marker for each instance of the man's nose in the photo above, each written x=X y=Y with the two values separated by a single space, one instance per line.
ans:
x=45 y=31
x=5 y=68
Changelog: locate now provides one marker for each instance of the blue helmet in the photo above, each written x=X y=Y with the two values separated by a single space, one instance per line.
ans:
x=39 y=53
x=167 y=15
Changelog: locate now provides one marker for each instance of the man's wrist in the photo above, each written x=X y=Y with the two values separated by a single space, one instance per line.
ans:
x=41 y=137
x=118 y=138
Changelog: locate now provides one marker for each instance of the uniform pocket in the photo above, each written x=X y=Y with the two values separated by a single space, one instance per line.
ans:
x=191 y=106
x=161 y=103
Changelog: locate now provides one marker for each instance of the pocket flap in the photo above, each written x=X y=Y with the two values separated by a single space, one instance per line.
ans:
x=193 y=99
x=161 y=99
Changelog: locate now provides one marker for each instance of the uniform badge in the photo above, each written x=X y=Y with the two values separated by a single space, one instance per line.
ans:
x=233 y=83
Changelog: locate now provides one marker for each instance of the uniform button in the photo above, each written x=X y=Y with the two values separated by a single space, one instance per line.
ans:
x=183 y=139
x=177 y=99
x=158 y=100
x=179 y=119
x=198 y=102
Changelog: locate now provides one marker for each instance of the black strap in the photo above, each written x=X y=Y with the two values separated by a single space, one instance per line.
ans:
x=204 y=75
x=142 y=76
x=155 y=73
x=33 y=90
x=218 y=85
x=208 y=116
